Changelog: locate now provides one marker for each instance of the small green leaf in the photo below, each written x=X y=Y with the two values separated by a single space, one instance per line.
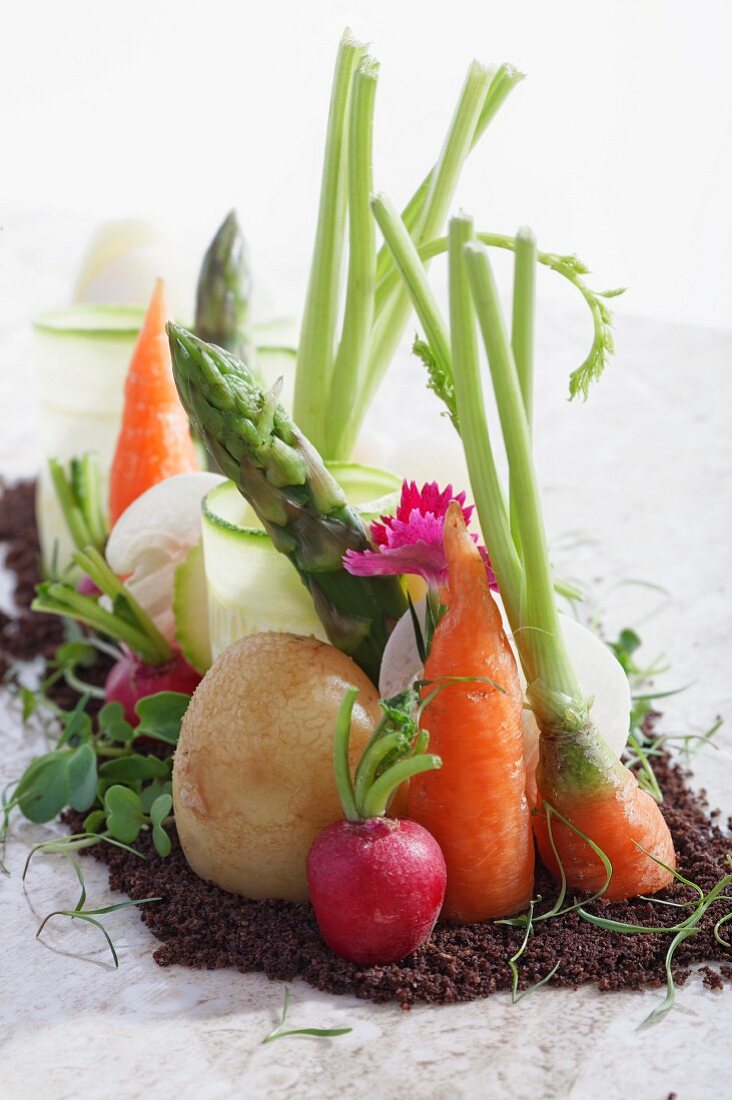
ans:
x=161 y=840
x=160 y=808
x=161 y=715
x=76 y=653
x=314 y=1032
x=152 y=791
x=30 y=702
x=82 y=777
x=112 y=723
x=124 y=813
x=95 y=821
x=77 y=726
x=130 y=768
x=43 y=790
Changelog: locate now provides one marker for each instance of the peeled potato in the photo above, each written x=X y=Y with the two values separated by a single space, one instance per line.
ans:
x=253 y=772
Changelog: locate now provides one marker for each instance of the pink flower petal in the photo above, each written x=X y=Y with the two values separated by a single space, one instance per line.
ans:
x=412 y=540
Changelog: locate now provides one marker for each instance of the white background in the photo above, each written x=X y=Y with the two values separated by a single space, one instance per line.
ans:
x=617 y=146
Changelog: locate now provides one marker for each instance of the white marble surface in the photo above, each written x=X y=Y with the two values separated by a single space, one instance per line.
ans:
x=641 y=477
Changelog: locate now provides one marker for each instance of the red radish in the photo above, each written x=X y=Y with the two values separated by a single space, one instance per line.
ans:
x=376 y=887
x=377 y=883
x=87 y=587
x=131 y=679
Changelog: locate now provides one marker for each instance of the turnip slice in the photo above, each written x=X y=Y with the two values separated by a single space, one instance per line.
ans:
x=153 y=536
x=599 y=674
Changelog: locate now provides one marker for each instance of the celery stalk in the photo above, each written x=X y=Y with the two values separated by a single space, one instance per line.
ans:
x=484 y=480
x=504 y=81
x=540 y=640
x=412 y=270
x=522 y=340
x=317 y=336
x=350 y=362
x=392 y=317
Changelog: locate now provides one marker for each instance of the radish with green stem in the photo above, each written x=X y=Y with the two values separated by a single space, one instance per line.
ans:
x=377 y=883
x=149 y=664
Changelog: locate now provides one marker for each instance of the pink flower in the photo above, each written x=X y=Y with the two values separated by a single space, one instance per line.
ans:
x=412 y=540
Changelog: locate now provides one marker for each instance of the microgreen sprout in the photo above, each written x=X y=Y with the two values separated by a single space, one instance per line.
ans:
x=313 y=1032
x=66 y=846
x=528 y=920
x=97 y=771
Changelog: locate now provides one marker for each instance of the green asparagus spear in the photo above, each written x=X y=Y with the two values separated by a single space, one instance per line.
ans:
x=301 y=506
x=224 y=291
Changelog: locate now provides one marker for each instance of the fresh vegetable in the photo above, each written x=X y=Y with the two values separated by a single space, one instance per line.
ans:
x=224 y=291
x=190 y=610
x=80 y=358
x=377 y=883
x=599 y=672
x=341 y=362
x=252 y=781
x=149 y=544
x=119 y=616
x=131 y=680
x=154 y=440
x=582 y=785
x=148 y=664
x=99 y=769
x=476 y=806
x=79 y=495
x=411 y=541
x=250 y=586
x=300 y=504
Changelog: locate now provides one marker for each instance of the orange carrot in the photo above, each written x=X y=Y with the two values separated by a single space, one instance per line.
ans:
x=475 y=806
x=601 y=799
x=154 y=440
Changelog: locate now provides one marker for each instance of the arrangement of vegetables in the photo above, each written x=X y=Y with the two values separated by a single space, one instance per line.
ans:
x=294 y=776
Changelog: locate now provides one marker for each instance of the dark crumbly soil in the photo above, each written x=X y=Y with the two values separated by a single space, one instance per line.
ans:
x=201 y=926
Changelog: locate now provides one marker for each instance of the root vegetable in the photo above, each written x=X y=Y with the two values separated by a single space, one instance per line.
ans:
x=253 y=777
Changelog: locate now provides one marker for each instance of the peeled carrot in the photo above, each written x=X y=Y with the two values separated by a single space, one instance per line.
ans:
x=601 y=799
x=154 y=440
x=475 y=806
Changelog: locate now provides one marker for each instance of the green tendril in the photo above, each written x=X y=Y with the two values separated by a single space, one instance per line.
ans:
x=312 y=1032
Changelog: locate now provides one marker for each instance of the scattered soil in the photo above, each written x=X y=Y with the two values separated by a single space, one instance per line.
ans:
x=201 y=926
